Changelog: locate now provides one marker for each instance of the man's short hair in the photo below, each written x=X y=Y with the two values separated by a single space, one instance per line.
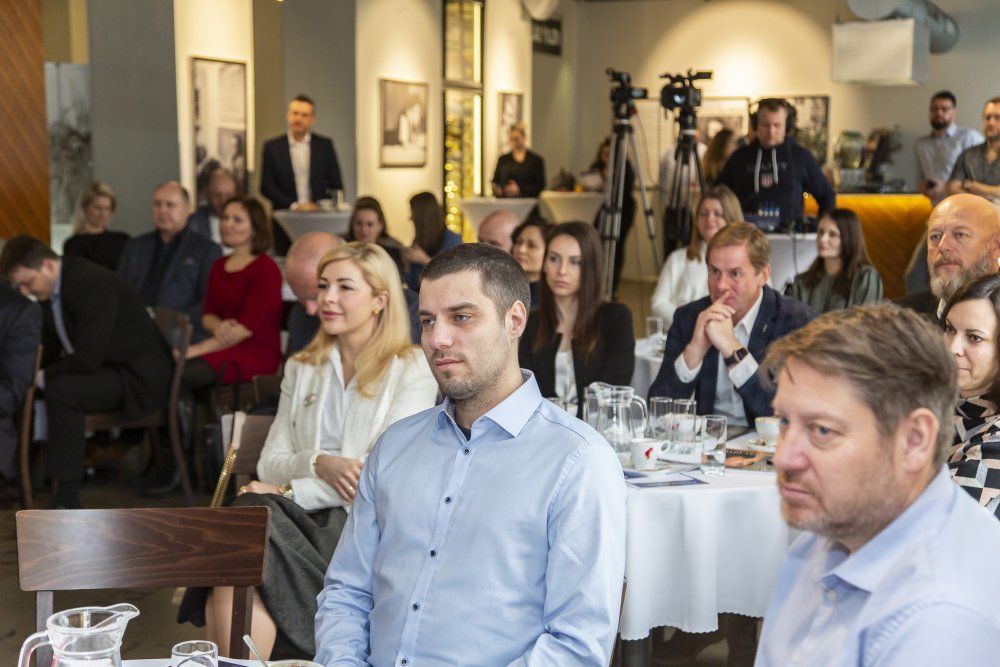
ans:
x=992 y=100
x=502 y=277
x=185 y=195
x=302 y=97
x=945 y=95
x=894 y=358
x=745 y=234
x=24 y=251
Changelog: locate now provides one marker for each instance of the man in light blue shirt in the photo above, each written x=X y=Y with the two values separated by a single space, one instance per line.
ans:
x=489 y=530
x=894 y=569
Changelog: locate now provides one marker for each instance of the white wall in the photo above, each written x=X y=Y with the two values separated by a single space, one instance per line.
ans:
x=768 y=47
x=401 y=40
x=222 y=30
x=554 y=101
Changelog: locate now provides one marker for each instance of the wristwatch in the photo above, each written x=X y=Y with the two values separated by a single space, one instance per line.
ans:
x=739 y=354
x=287 y=491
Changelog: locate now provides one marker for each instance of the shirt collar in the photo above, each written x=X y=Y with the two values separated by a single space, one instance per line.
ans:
x=511 y=414
x=305 y=140
x=952 y=130
x=751 y=317
x=870 y=564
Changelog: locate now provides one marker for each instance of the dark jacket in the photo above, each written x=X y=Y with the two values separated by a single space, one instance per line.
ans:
x=778 y=316
x=20 y=334
x=185 y=279
x=108 y=326
x=798 y=171
x=612 y=360
x=923 y=302
x=277 y=178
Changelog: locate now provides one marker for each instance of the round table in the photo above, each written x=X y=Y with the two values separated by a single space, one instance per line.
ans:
x=477 y=208
x=791 y=254
x=297 y=223
x=693 y=552
x=559 y=206
x=647 y=365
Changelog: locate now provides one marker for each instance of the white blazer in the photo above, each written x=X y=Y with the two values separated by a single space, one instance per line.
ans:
x=293 y=446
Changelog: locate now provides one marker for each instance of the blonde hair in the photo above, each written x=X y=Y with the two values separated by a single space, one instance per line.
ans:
x=86 y=197
x=731 y=211
x=391 y=337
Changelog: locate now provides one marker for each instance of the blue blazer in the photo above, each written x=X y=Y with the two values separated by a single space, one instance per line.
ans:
x=277 y=178
x=778 y=316
x=184 y=281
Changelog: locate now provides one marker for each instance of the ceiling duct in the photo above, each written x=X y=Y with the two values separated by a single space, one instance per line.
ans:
x=942 y=27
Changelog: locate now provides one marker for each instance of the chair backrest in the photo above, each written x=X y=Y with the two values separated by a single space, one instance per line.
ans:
x=176 y=329
x=145 y=548
x=249 y=433
x=24 y=425
x=266 y=388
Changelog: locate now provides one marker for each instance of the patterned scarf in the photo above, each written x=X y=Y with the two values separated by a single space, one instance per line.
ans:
x=974 y=459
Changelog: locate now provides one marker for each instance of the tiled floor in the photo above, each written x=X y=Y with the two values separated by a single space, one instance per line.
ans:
x=155 y=630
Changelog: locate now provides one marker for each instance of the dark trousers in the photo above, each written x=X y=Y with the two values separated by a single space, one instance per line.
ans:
x=67 y=399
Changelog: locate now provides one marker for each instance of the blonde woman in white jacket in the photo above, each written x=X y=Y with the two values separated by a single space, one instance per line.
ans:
x=684 y=277
x=359 y=375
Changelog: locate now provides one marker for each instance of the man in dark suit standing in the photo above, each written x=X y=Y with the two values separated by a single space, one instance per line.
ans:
x=299 y=168
x=102 y=351
x=20 y=334
x=715 y=343
x=169 y=266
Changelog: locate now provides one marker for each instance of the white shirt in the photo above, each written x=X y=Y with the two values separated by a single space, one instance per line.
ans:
x=681 y=281
x=299 y=152
x=565 y=376
x=727 y=400
x=338 y=403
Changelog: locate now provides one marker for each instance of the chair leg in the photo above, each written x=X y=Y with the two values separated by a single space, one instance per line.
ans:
x=27 y=498
x=178 y=450
x=241 y=622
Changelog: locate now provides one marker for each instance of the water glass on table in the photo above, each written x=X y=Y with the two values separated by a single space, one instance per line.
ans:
x=713 y=445
x=684 y=426
x=194 y=654
x=661 y=415
x=655 y=334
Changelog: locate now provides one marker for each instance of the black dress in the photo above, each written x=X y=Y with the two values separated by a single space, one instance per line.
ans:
x=529 y=175
x=104 y=248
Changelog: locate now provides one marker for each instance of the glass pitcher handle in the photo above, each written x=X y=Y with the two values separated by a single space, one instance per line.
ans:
x=30 y=644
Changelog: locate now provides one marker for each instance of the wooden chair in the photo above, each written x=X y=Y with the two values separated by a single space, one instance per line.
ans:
x=175 y=327
x=24 y=430
x=266 y=388
x=240 y=465
x=60 y=550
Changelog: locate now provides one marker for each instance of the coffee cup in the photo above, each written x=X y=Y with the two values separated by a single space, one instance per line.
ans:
x=645 y=451
x=768 y=428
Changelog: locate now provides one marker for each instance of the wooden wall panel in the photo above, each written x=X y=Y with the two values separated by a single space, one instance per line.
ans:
x=24 y=163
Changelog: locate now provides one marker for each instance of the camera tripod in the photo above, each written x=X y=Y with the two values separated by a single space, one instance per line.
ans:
x=610 y=226
x=677 y=214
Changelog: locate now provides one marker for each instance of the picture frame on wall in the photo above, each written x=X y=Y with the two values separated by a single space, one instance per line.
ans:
x=403 y=111
x=219 y=108
x=812 y=124
x=510 y=111
x=717 y=113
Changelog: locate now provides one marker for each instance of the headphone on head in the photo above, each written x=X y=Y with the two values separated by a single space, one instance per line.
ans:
x=771 y=103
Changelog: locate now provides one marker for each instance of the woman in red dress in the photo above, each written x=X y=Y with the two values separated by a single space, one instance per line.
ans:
x=242 y=303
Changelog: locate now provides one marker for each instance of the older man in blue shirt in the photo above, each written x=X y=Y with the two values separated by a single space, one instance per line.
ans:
x=489 y=530
x=865 y=399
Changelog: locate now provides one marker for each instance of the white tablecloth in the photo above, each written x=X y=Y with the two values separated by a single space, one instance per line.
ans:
x=477 y=208
x=695 y=551
x=790 y=256
x=647 y=365
x=297 y=223
x=570 y=206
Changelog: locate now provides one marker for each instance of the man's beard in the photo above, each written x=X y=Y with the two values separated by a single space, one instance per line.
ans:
x=467 y=388
x=945 y=287
x=939 y=124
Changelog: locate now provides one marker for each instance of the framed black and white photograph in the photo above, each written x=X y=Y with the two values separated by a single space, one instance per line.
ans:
x=812 y=124
x=403 y=107
x=510 y=112
x=717 y=113
x=219 y=101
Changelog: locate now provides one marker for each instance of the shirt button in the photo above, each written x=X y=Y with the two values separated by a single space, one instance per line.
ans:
x=416 y=606
x=831 y=596
x=795 y=658
x=404 y=661
x=447 y=501
x=466 y=450
x=433 y=553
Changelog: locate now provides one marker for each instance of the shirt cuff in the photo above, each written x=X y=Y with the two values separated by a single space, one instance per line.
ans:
x=685 y=374
x=743 y=371
x=312 y=462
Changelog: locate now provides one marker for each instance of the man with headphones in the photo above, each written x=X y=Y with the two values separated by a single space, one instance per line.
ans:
x=770 y=174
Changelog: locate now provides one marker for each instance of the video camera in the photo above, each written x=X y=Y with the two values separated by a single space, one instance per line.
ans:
x=625 y=93
x=680 y=94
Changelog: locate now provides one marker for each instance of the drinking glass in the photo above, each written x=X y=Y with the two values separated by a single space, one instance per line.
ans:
x=194 y=654
x=655 y=334
x=684 y=426
x=661 y=413
x=713 y=445
x=593 y=396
